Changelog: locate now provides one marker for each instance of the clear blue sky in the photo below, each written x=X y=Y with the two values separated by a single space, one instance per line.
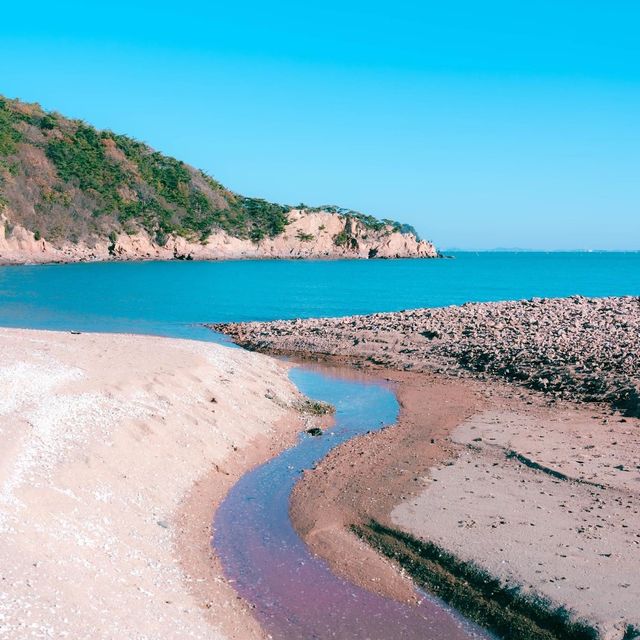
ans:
x=484 y=124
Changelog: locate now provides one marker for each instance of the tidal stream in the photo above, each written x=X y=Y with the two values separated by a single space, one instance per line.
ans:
x=294 y=593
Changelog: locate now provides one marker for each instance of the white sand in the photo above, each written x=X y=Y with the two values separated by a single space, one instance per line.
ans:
x=103 y=438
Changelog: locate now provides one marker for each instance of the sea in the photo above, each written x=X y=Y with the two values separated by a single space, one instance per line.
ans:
x=175 y=298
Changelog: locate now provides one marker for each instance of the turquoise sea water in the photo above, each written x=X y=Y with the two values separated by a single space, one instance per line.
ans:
x=172 y=298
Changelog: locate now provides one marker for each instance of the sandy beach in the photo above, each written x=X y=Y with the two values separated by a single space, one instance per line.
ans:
x=115 y=452
x=367 y=476
x=454 y=471
x=320 y=321
x=118 y=449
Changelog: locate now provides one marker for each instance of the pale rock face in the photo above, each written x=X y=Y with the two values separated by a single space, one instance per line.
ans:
x=309 y=235
x=19 y=245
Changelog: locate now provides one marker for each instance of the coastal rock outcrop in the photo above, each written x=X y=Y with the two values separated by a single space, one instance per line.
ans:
x=579 y=348
x=308 y=235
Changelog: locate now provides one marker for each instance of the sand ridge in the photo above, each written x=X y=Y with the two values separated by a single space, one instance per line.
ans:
x=365 y=477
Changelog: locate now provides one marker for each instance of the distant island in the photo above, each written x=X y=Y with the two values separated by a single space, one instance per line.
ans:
x=71 y=193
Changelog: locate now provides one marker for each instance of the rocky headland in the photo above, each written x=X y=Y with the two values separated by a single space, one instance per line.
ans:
x=307 y=235
x=72 y=193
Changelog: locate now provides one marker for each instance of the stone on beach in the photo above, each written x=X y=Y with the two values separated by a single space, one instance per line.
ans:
x=578 y=348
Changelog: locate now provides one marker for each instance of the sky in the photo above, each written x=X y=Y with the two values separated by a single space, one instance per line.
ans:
x=484 y=124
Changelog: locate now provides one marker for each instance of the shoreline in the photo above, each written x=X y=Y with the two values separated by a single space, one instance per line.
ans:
x=195 y=523
x=575 y=348
x=145 y=387
x=541 y=491
x=249 y=258
x=307 y=234
x=360 y=479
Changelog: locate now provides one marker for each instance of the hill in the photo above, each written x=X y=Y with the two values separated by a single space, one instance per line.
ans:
x=69 y=192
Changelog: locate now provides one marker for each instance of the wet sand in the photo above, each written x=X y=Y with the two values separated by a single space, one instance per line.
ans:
x=117 y=449
x=579 y=349
x=293 y=593
x=367 y=476
x=551 y=387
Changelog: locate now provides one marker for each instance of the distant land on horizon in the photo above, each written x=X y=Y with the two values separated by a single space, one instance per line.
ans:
x=69 y=192
x=447 y=250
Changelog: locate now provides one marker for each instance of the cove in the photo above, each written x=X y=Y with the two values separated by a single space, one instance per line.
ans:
x=293 y=593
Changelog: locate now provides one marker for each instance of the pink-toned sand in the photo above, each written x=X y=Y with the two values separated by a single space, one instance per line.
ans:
x=540 y=488
x=115 y=450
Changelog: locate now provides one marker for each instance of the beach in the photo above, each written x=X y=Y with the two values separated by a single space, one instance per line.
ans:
x=456 y=471
x=539 y=490
x=577 y=348
x=320 y=321
x=116 y=450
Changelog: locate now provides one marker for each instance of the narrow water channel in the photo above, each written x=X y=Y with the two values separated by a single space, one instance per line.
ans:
x=294 y=594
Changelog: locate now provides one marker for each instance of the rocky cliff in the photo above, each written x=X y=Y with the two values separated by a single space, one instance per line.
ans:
x=71 y=193
x=310 y=235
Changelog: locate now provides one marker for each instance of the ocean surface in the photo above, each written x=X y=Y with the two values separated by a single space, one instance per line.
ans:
x=173 y=298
